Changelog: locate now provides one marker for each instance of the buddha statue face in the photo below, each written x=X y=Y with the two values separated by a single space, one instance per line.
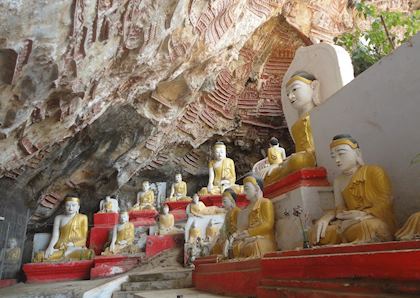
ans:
x=219 y=152
x=196 y=198
x=251 y=191
x=300 y=94
x=178 y=178
x=71 y=207
x=107 y=198
x=345 y=157
x=227 y=203
x=146 y=186
x=12 y=243
x=165 y=209
x=124 y=217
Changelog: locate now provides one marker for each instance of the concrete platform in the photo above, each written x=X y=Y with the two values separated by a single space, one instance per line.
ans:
x=186 y=293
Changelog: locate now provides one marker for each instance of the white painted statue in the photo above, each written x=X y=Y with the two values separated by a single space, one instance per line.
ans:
x=179 y=190
x=108 y=205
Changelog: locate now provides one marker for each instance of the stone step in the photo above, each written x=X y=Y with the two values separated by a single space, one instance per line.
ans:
x=158 y=284
x=124 y=294
x=169 y=275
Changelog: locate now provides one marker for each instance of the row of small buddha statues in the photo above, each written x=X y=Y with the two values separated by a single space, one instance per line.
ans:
x=362 y=193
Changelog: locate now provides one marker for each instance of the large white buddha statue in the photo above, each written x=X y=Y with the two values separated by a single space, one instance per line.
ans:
x=302 y=91
x=363 y=200
x=68 y=240
x=222 y=173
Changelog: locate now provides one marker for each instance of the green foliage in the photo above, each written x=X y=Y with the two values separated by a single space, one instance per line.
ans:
x=368 y=47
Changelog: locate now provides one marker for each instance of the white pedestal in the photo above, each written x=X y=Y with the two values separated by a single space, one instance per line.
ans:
x=314 y=201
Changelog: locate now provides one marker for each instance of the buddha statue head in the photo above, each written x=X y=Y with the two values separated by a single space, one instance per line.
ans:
x=196 y=198
x=146 y=185
x=165 y=209
x=274 y=142
x=302 y=90
x=12 y=243
x=108 y=199
x=346 y=153
x=124 y=218
x=219 y=151
x=229 y=199
x=178 y=178
x=71 y=205
x=253 y=188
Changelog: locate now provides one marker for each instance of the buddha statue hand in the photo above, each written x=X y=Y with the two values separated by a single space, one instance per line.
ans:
x=322 y=224
x=49 y=251
x=351 y=214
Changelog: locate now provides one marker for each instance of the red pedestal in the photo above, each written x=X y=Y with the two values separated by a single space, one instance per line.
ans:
x=143 y=217
x=157 y=244
x=7 y=282
x=347 y=271
x=107 y=219
x=304 y=177
x=106 y=266
x=210 y=200
x=179 y=215
x=98 y=237
x=178 y=205
x=240 y=278
x=51 y=272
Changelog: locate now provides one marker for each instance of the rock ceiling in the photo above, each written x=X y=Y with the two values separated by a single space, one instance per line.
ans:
x=96 y=93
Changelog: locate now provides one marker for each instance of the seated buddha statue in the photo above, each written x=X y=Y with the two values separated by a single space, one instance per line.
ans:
x=108 y=205
x=255 y=236
x=229 y=225
x=302 y=90
x=362 y=195
x=222 y=173
x=145 y=199
x=212 y=231
x=167 y=223
x=13 y=252
x=178 y=190
x=122 y=237
x=68 y=240
x=411 y=229
x=194 y=233
x=197 y=208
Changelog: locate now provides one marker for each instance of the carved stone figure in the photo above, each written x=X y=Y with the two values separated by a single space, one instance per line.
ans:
x=145 y=199
x=108 y=205
x=255 y=235
x=122 y=238
x=167 y=223
x=68 y=240
x=178 y=190
x=197 y=208
x=362 y=196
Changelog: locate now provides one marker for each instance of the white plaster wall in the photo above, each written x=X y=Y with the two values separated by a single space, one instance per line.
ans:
x=381 y=110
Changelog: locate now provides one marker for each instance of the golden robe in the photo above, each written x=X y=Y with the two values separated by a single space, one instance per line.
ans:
x=194 y=233
x=201 y=209
x=147 y=201
x=305 y=152
x=369 y=190
x=180 y=192
x=229 y=227
x=124 y=234
x=211 y=232
x=75 y=231
x=411 y=229
x=260 y=229
x=107 y=208
x=274 y=156
x=167 y=225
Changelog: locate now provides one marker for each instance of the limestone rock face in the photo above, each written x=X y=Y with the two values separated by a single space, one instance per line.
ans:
x=96 y=92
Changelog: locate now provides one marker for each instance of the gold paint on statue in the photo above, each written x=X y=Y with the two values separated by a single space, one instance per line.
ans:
x=411 y=229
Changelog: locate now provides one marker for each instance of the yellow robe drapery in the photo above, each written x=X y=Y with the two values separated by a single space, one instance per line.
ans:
x=260 y=229
x=274 y=156
x=226 y=171
x=369 y=190
x=75 y=231
x=411 y=229
x=146 y=201
x=126 y=233
x=305 y=152
x=229 y=227
x=201 y=209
